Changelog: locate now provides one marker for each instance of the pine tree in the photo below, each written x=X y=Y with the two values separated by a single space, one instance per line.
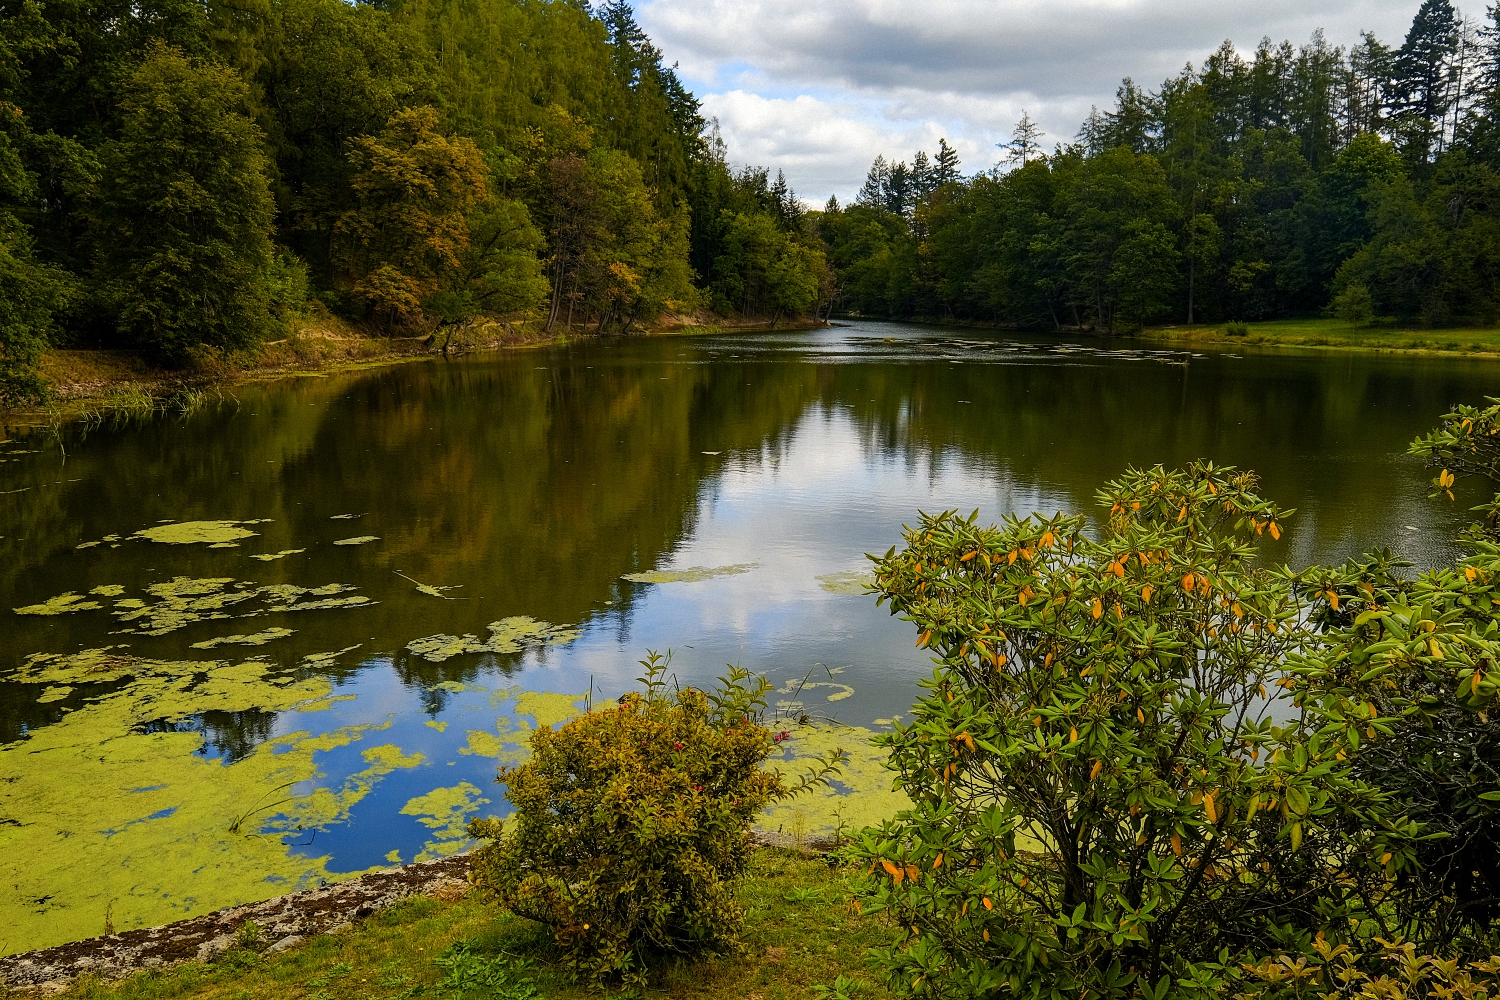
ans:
x=945 y=166
x=1421 y=67
x=921 y=175
x=784 y=202
x=1023 y=146
x=1133 y=122
x=872 y=194
x=1367 y=81
x=1092 y=134
x=898 y=190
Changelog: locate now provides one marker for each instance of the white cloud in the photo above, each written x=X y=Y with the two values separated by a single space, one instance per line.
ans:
x=818 y=88
x=820 y=144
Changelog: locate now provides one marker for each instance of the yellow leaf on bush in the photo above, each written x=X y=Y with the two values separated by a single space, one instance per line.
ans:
x=987 y=904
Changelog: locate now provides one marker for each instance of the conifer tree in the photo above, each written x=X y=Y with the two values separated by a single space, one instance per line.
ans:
x=921 y=175
x=872 y=194
x=1421 y=87
x=945 y=166
x=1024 y=145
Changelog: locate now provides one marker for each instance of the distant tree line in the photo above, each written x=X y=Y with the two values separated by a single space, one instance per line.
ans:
x=1301 y=181
x=178 y=174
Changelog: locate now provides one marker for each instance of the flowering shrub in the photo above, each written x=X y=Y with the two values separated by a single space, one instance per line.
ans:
x=632 y=824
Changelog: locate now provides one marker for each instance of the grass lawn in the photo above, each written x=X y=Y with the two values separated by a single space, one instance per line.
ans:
x=1337 y=333
x=799 y=932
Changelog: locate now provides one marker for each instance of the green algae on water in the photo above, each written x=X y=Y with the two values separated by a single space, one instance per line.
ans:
x=693 y=574
x=162 y=831
x=446 y=812
x=254 y=639
x=272 y=556
x=197 y=532
x=852 y=582
x=61 y=604
x=862 y=795
x=508 y=635
x=358 y=540
x=183 y=601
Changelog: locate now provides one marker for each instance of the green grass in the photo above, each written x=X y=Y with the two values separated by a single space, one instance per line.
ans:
x=799 y=932
x=1333 y=333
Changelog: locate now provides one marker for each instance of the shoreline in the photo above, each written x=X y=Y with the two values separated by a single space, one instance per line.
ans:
x=281 y=923
x=103 y=382
x=287 y=921
x=1477 y=344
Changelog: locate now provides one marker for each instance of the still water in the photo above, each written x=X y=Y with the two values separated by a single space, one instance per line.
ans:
x=291 y=635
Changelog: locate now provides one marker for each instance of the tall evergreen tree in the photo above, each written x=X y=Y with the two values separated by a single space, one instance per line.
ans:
x=1132 y=123
x=877 y=181
x=1025 y=141
x=1421 y=88
x=945 y=165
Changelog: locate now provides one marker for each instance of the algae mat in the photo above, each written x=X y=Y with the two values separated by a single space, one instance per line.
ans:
x=111 y=818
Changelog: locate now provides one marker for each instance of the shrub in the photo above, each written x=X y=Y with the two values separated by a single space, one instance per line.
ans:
x=632 y=824
x=1422 y=652
x=1107 y=799
x=1236 y=329
x=1332 y=972
x=1354 y=304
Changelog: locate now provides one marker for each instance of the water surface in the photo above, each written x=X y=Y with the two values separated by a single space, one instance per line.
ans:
x=212 y=726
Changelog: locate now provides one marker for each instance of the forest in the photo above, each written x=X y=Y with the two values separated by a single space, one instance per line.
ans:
x=1302 y=181
x=182 y=178
x=179 y=176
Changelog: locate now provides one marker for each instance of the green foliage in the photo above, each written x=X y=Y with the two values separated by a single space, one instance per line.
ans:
x=187 y=209
x=157 y=145
x=763 y=269
x=405 y=241
x=631 y=825
x=1335 y=970
x=1421 y=653
x=496 y=977
x=1106 y=797
x=1354 y=304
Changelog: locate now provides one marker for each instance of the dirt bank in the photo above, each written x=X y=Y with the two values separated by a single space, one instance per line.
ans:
x=109 y=381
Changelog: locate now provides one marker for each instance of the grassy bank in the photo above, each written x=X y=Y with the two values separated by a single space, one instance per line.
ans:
x=115 y=382
x=800 y=931
x=1333 y=333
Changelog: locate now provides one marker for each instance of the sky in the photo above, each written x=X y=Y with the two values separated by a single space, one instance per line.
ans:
x=817 y=88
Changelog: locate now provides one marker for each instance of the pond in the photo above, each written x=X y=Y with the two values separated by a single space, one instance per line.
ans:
x=291 y=635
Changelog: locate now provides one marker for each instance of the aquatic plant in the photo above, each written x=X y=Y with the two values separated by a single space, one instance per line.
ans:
x=508 y=635
x=693 y=574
